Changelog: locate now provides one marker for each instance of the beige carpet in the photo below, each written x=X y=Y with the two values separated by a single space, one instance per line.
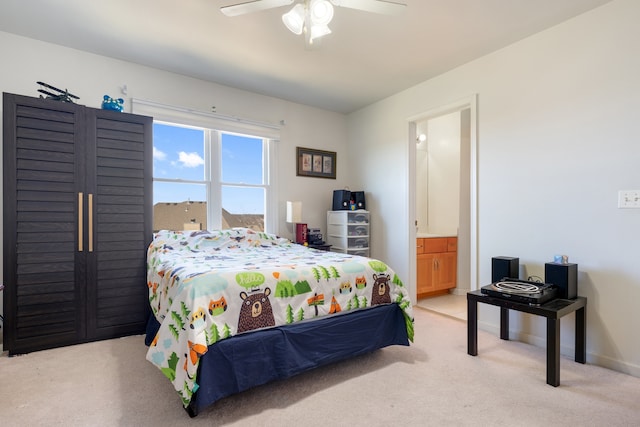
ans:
x=432 y=383
x=450 y=304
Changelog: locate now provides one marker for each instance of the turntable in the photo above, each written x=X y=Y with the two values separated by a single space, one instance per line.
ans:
x=523 y=291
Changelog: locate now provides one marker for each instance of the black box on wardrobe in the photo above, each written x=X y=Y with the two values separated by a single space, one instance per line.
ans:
x=564 y=276
x=504 y=266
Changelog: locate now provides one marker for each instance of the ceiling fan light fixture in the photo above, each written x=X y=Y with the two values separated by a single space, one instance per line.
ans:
x=294 y=19
x=318 y=31
x=320 y=12
x=312 y=17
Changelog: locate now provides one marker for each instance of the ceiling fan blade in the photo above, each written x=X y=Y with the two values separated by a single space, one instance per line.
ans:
x=253 y=6
x=376 y=6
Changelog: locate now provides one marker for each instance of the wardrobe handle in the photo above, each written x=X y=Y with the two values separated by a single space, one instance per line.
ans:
x=90 y=202
x=80 y=216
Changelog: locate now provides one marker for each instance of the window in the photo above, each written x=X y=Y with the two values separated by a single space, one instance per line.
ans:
x=209 y=179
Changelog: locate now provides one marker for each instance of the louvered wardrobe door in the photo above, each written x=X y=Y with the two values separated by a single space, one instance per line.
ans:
x=43 y=169
x=123 y=203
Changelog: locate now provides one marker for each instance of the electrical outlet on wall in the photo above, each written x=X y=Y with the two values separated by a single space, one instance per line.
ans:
x=629 y=199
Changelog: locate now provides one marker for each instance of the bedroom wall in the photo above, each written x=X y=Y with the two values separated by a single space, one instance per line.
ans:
x=557 y=139
x=89 y=76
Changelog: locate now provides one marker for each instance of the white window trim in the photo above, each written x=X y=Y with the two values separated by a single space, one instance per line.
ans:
x=191 y=117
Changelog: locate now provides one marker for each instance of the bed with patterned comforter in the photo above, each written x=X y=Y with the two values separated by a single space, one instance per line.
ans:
x=208 y=286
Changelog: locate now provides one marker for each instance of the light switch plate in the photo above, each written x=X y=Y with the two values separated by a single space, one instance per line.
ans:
x=629 y=199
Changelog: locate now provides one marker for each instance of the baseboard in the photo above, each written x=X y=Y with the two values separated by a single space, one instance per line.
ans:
x=458 y=291
x=613 y=364
x=592 y=358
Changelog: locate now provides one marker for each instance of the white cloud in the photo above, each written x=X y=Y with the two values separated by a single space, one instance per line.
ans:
x=159 y=155
x=190 y=160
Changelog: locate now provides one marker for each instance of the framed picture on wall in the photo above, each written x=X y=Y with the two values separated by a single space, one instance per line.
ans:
x=315 y=163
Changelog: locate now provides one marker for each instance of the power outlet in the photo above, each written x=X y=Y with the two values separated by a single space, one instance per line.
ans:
x=629 y=199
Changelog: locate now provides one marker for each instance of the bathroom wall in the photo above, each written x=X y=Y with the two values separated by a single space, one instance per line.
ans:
x=438 y=175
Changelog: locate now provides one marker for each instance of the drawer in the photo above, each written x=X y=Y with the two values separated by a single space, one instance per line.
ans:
x=359 y=252
x=336 y=230
x=358 y=230
x=435 y=245
x=358 y=218
x=359 y=243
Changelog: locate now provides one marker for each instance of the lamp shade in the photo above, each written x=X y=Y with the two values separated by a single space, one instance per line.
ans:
x=320 y=12
x=318 y=31
x=294 y=19
x=294 y=212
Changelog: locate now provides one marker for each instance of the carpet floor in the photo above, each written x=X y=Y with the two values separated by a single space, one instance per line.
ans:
x=431 y=383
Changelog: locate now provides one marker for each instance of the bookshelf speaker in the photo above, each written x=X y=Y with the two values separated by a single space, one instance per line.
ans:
x=504 y=266
x=564 y=276
x=358 y=198
x=341 y=200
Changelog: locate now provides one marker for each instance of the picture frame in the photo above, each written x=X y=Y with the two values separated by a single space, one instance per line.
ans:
x=315 y=163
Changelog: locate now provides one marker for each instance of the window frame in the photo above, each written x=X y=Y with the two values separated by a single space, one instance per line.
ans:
x=215 y=123
x=217 y=184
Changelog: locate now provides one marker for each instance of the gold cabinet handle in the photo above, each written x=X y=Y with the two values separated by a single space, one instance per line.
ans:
x=80 y=217
x=90 y=202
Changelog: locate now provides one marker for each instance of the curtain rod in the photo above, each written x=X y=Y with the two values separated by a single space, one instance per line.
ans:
x=208 y=114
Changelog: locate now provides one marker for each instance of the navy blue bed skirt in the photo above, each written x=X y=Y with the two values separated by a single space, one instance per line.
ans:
x=255 y=358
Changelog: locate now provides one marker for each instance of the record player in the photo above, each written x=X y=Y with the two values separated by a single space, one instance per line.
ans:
x=523 y=291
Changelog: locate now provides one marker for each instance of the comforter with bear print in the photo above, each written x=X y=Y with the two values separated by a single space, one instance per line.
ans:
x=206 y=286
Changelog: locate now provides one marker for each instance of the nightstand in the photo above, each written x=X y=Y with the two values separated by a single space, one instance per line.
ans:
x=324 y=247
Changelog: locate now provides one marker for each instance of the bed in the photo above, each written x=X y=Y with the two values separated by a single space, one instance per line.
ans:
x=233 y=309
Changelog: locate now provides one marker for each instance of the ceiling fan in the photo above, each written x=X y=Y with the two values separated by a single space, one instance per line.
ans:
x=312 y=17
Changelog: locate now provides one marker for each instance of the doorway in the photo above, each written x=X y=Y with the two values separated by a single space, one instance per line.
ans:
x=467 y=229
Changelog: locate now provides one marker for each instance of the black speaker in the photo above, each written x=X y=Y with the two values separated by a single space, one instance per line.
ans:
x=341 y=200
x=504 y=266
x=358 y=197
x=564 y=276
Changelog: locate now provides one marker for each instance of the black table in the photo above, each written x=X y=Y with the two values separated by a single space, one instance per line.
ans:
x=552 y=310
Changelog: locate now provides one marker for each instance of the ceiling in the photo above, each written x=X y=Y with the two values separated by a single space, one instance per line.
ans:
x=367 y=58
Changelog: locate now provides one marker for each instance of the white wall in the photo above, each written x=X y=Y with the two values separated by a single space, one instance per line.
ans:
x=438 y=175
x=557 y=138
x=90 y=77
x=26 y=61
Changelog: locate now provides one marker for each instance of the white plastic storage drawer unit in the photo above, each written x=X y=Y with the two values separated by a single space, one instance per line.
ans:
x=348 y=231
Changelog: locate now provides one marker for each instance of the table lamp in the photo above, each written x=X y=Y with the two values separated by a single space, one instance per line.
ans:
x=294 y=216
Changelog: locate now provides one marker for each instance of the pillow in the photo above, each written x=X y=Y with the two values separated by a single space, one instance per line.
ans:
x=233 y=238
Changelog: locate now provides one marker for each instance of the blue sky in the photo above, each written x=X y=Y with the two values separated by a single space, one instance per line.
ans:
x=178 y=153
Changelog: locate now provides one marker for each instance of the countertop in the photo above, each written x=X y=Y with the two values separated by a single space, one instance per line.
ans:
x=429 y=235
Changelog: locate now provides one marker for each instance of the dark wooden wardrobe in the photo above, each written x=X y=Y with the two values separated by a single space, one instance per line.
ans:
x=77 y=222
